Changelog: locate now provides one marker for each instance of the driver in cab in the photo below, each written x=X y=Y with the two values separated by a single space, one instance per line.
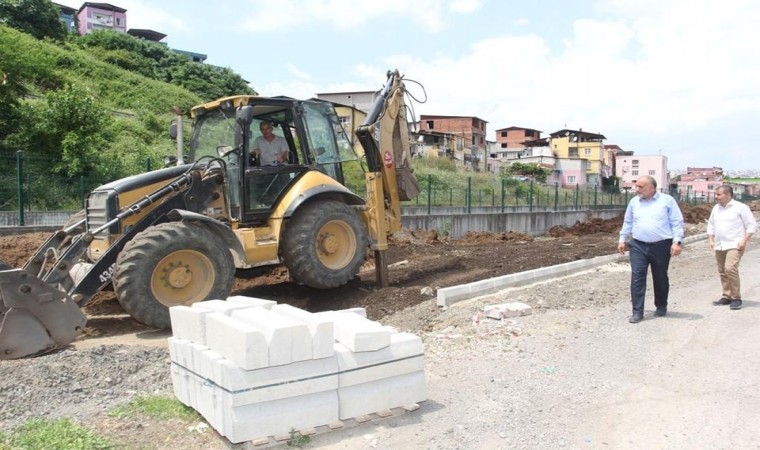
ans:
x=270 y=148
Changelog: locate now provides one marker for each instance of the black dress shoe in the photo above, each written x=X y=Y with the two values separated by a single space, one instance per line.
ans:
x=661 y=312
x=736 y=304
x=636 y=317
x=723 y=301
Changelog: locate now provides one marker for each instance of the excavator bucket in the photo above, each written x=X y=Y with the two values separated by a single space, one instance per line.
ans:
x=36 y=317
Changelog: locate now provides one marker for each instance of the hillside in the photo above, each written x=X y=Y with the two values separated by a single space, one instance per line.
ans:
x=93 y=108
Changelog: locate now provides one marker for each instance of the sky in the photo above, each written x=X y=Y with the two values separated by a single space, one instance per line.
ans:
x=680 y=78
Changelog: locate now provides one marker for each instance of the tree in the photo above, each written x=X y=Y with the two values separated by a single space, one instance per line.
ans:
x=531 y=169
x=40 y=18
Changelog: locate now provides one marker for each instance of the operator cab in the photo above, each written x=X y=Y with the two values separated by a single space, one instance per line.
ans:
x=228 y=129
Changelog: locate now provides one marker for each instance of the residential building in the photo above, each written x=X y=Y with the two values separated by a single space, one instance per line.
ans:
x=700 y=182
x=630 y=167
x=433 y=144
x=514 y=137
x=101 y=16
x=350 y=118
x=742 y=190
x=582 y=145
x=361 y=100
x=67 y=16
x=148 y=35
x=472 y=130
x=193 y=56
x=571 y=172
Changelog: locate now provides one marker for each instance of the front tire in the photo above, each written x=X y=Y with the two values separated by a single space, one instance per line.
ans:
x=170 y=264
x=324 y=244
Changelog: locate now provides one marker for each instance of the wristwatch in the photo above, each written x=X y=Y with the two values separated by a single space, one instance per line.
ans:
x=677 y=242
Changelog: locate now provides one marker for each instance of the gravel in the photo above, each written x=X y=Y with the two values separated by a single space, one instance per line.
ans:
x=538 y=381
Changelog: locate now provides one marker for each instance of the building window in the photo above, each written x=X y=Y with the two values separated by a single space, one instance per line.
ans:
x=529 y=133
x=710 y=187
x=587 y=151
x=652 y=172
x=503 y=145
x=503 y=134
x=571 y=179
x=430 y=124
x=635 y=173
x=635 y=162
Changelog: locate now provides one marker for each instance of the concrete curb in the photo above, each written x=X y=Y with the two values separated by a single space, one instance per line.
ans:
x=450 y=295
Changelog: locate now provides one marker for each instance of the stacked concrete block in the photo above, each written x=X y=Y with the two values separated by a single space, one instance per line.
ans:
x=253 y=368
x=379 y=380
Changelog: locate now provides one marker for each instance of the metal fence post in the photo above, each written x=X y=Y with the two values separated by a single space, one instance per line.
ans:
x=148 y=165
x=577 y=191
x=430 y=189
x=595 y=196
x=83 y=194
x=503 y=193
x=556 y=195
x=20 y=185
x=469 y=195
x=530 y=197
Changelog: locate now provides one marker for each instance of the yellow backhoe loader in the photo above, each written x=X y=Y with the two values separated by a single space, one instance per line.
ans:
x=177 y=235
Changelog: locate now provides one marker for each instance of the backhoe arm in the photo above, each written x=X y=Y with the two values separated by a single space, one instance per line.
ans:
x=384 y=135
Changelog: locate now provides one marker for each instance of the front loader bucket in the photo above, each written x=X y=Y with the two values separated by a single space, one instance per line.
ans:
x=36 y=317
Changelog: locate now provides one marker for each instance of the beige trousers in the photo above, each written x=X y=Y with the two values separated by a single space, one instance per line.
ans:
x=728 y=270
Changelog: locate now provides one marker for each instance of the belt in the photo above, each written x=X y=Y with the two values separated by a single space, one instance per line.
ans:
x=664 y=241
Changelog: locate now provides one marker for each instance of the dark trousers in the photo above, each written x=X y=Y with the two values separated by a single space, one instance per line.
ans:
x=657 y=256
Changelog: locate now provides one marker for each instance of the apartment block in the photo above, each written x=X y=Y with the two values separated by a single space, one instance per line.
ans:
x=630 y=167
x=579 y=144
x=101 y=16
x=515 y=137
x=700 y=182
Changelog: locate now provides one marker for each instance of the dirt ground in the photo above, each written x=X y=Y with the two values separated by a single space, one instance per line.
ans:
x=420 y=262
x=112 y=368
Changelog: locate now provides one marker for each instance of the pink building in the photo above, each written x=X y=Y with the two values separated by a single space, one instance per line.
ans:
x=101 y=16
x=630 y=167
x=700 y=182
x=571 y=171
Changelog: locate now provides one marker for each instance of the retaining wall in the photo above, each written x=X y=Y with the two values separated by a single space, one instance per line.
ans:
x=455 y=221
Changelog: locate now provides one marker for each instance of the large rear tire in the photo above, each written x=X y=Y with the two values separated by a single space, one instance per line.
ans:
x=176 y=263
x=324 y=244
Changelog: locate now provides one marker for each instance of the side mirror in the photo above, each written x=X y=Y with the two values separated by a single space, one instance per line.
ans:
x=244 y=115
x=173 y=130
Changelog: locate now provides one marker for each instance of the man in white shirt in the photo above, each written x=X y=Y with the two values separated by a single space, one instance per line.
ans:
x=729 y=228
x=270 y=148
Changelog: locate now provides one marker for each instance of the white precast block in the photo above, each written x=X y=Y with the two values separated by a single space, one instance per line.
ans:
x=188 y=323
x=403 y=355
x=180 y=351
x=249 y=422
x=252 y=301
x=278 y=331
x=244 y=387
x=358 y=311
x=360 y=334
x=239 y=341
x=320 y=328
x=220 y=306
x=205 y=361
x=181 y=384
x=387 y=393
